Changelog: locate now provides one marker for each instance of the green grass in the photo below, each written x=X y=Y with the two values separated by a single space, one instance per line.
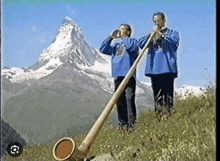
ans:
x=188 y=134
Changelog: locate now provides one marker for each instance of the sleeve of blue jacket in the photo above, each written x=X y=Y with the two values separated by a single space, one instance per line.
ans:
x=106 y=47
x=142 y=41
x=172 y=38
x=131 y=44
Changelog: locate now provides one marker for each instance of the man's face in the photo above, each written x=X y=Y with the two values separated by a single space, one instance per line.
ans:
x=158 y=21
x=124 y=31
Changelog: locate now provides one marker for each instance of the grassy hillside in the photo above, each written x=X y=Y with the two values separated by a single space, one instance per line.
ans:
x=188 y=134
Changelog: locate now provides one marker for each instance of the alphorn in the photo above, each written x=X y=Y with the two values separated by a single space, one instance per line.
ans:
x=66 y=149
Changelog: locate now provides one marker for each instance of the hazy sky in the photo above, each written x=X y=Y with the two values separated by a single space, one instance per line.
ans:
x=30 y=26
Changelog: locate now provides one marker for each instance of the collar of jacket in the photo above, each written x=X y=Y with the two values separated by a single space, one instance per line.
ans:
x=124 y=37
x=163 y=29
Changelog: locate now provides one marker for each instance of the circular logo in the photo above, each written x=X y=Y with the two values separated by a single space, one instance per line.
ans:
x=14 y=149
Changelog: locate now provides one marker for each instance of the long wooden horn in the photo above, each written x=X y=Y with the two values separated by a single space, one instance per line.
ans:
x=65 y=148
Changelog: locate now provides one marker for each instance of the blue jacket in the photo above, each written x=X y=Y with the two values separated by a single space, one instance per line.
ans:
x=123 y=54
x=162 y=55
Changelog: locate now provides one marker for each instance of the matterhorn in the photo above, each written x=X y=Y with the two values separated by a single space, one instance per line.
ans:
x=64 y=92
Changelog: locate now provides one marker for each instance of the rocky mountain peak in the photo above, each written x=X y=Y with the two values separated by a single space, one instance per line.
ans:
x=71 y=22
x=70 y=47
x=69 y=35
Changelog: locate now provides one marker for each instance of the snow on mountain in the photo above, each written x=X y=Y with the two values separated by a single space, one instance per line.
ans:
x=188 y=90
x=69 y=47
x=18 y=74
x=68 y=35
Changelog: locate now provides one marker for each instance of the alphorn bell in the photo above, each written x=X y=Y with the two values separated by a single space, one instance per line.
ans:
x=66 y=149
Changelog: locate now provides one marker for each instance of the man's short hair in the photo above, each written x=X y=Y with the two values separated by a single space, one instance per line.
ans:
x=161 y=14
x=128 y=27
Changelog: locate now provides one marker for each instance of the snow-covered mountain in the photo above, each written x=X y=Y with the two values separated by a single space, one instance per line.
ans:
x=70 y=81
x=69 y=47
x=189 y=90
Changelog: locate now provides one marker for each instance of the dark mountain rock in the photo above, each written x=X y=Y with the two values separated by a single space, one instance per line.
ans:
x=8 y=135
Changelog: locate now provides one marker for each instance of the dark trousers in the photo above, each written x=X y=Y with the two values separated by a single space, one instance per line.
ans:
x=163 y=92
x=126 y=103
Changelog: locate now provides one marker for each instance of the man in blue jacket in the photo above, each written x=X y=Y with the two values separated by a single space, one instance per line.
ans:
x=123 y=55
x=161 y=65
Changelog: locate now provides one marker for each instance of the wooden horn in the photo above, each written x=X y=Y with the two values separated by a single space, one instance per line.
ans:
x=65 y=148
